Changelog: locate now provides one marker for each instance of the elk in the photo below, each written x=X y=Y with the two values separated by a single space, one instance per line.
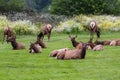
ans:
x=7 y=33
x=15 y=45
x=106 y=42
x=78 y=53
x=74 y=42
x=90 y=45
x=93 y=28
x=115 y=43
x=93 y=46
x=35 y=48
x=41 y=43
x=98 y=48
x=45 y=30
x=55 y=52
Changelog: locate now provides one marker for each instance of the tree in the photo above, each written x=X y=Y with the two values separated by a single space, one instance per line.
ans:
x=74 y=7
x=11 y=5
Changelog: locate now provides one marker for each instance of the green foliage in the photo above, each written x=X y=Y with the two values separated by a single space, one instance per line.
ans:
x=75 y=7
x=24 y=27
x=11 y=5
x=21 y=65
x=23 y=5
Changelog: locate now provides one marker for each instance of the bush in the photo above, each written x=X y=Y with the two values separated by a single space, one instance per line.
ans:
x=21 y=27
x=24 y=27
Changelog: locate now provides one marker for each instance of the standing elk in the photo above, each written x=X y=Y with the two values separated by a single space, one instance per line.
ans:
x=35 y=48
x=7 y=33
x=93 y=28
x=45 y=30
x=15 y=45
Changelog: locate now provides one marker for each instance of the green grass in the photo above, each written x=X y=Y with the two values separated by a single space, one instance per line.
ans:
x=21 y=65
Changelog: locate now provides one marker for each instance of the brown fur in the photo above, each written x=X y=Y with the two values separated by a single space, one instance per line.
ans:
x=98 y=48
x=45 y=30
x=90 y=45
x=74 y=42
x=41 y=43
x=35 y=48
x=15 y=45
x=93 y=28
x=55 y=52
x=106 y=42
x=115 y=43
x=95 y=47
x=7 y=33
x=77 y=53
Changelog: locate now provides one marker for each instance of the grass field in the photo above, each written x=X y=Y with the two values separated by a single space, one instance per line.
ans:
x=21 y=65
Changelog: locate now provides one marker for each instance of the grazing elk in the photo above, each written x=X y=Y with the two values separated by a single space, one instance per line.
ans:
x=7 y=33
x=41 y=43
x=78 y=53
x=45 y=30
x=55 y=52
x=93 y=28
x=15 y=45
x=35 y=48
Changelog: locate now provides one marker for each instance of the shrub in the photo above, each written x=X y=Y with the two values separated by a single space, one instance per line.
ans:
x=24 y=27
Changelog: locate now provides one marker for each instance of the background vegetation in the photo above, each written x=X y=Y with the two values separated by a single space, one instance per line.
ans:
x=62 y=7
x=76 y=7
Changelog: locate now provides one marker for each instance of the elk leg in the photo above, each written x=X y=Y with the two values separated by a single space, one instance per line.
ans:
x=49 y=36
x=42 y=37
x=91 y=36
x=3 y=38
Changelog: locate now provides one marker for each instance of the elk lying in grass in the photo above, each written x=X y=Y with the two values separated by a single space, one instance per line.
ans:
x=93 y=28
x=7 y=33
x=115 y=43
x=93 y=46
x=78 y=53
x=74 y=42
x=41 y=43
x=55 y=52
x=98 y=48
x=45 y=30
x=106 y=42
x=35 y=48
x=15 y=45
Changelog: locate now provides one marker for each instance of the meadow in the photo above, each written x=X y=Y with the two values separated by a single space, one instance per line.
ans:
x=21 y=65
